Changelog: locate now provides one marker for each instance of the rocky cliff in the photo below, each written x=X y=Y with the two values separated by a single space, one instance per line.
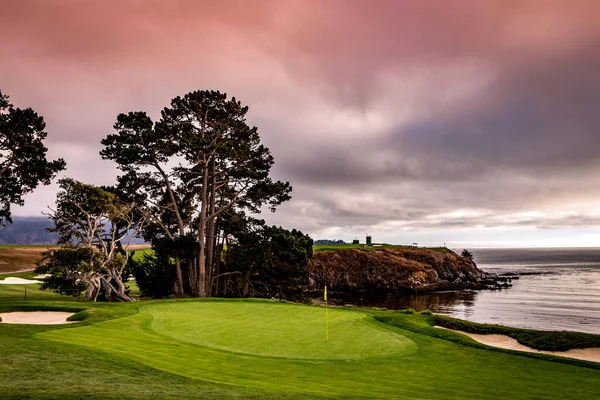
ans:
x=395 y=270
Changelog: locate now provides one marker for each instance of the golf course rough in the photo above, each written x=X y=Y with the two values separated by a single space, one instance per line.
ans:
x=281 y=348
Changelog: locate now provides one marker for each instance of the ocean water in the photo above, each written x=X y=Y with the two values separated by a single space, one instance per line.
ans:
x=557 y=289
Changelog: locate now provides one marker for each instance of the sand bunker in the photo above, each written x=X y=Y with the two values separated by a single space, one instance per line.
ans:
x=17 y=281
x=506 y=342
x=36 y=318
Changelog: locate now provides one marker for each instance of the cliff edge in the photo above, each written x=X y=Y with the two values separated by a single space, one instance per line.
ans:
x=395 y=269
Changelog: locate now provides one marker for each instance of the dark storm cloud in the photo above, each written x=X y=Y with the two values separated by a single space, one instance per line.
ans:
x=383 y=115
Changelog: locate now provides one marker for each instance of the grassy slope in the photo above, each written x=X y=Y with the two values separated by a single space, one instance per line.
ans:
x=332 y=247
x=159 y=337
x=19 y=257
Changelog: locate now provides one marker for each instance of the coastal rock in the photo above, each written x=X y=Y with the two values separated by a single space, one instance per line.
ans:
x=395 y=269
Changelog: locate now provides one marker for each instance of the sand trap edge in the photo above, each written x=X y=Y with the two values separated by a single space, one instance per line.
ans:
x=506 y=342
x=36 y=317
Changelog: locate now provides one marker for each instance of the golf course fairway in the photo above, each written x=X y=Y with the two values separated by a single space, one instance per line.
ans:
x=267 y=349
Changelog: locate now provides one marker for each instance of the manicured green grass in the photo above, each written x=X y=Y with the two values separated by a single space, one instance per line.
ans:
x=260 y=328
x=31 y=368
x=22 y=275
x=139 y=253
x=329 y=247
x=264 y=349
x=32 y=292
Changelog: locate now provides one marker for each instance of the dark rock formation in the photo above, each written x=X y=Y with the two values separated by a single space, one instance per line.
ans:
x=395 y=270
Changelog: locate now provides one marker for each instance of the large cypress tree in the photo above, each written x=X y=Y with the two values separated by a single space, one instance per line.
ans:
x=23 y=163
x=198 y=161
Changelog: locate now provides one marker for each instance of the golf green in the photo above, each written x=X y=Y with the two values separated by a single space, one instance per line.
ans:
x=280 y=348
x=295 y=332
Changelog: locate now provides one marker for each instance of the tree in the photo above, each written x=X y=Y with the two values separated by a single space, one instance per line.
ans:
x=467 y=254
x=23 y=163
x=94 y=222
x=199 y=161
x=268 y=261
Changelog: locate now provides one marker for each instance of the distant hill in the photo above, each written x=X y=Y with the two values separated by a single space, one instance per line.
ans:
x=28 y=230
x=32 y=230
x=328 y=241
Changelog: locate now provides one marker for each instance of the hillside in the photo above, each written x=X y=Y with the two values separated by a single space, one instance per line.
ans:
x=393 y=270
x=28 y=230
x=33 y=230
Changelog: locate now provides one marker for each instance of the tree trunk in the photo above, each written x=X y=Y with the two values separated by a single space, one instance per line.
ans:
x=246 y=284
x=178 y=287
x=210 y=232
x=113 y=293
x=202 y=234
x=192 y=275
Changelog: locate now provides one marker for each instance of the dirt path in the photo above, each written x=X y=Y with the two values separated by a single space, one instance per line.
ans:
x=506 y=342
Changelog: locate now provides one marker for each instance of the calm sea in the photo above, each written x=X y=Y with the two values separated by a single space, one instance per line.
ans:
x=558 y=289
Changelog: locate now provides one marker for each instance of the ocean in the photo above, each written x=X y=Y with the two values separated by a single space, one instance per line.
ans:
x=557 y=289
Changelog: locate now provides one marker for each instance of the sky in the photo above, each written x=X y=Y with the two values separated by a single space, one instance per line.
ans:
x=469 y=123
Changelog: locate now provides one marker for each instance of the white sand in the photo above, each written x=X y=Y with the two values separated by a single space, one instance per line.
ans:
x=506 y=342
x=36 y=317
x=17 y=281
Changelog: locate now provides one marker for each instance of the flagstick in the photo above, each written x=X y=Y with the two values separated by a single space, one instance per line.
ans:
x=326 y=317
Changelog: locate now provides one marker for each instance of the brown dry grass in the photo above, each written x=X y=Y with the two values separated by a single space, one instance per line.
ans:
x=138 y=246
x=16 y=258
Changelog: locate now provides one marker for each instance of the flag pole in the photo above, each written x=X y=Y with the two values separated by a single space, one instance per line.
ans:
x=326 y=316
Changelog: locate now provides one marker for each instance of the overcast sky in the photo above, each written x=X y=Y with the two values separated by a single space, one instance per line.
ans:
x=474 y=123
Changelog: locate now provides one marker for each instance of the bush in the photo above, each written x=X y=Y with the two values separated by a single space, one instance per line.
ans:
x=467 y=254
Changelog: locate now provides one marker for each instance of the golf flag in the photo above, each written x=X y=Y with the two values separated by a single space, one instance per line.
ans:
x=326 y=316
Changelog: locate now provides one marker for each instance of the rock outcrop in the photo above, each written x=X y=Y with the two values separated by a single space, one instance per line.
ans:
x=395 y=270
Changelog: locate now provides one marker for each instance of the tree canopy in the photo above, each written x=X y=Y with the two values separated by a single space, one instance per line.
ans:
x=93 y=222
x=23 y=163
x=199 y=161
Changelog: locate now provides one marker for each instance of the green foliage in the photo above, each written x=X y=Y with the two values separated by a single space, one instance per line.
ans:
x=23 y=163
x=67 y=267
x=348 y=246
x=94 y=221
x=271 y=260
x=89 y=215
x=154 y=274
x=155 y=270
x=467 y=254
x=221 y=167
